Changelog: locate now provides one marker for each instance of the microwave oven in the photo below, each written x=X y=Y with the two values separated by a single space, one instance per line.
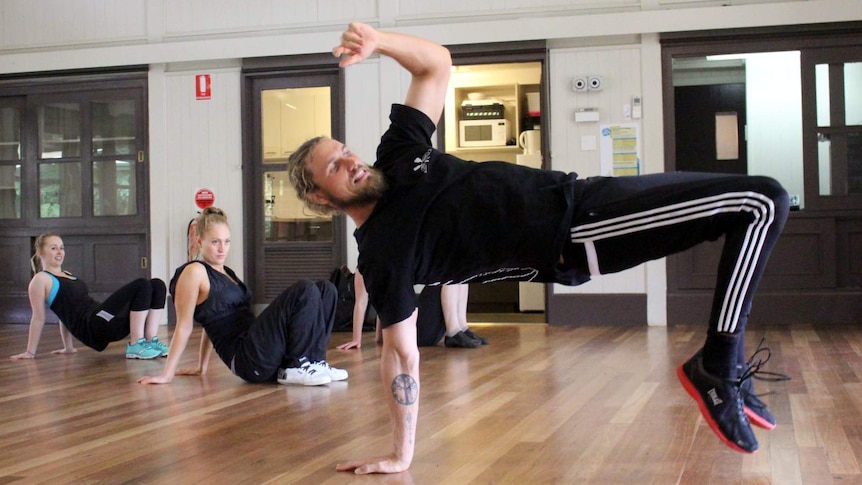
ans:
x=484 y=133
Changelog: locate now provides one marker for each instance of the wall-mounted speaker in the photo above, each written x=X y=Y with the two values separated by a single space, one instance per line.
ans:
x=579 y=84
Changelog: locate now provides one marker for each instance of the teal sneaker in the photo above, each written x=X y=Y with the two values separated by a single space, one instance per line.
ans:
x=160 y=346
x=141 y=350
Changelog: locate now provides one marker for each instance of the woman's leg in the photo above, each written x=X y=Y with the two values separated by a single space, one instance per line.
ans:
x=463 y=291
x=324 y=321
x=286 y=334
x=430 y=320
x=124 y=313
x=317 y=355
x=154 y=316
x=463 y=296
x=449 y=301
x=156 y=308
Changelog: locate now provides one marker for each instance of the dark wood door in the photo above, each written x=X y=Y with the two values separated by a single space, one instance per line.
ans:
x=73 y=163
x=286 y=241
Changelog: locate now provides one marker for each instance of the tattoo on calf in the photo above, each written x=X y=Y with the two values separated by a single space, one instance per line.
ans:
x=405 y=389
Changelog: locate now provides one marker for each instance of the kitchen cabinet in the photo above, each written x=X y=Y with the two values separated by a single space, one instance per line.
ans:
x=292 y=116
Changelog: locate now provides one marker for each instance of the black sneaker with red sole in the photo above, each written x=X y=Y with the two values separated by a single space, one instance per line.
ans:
x=757 y=411
x=720 y=403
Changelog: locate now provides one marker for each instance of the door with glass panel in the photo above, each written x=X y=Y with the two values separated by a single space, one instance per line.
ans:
x=832 y=90
x=291 y=242
x=13 y=247
x=74 y=163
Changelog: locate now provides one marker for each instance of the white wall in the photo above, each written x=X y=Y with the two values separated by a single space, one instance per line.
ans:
x=194 y=144
x=620 y=69
x=363 y=133
x=50 y=35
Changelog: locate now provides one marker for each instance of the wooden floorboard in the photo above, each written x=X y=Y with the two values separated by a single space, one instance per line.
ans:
x=539 y=405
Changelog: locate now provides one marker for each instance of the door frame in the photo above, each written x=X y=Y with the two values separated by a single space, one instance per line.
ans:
x=504 y=296
x=809 y=277
x=286 y=72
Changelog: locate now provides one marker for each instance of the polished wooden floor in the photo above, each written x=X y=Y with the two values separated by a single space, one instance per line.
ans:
x=539 y=405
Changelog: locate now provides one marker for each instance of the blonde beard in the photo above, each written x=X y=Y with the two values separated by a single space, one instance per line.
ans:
x=371 y=192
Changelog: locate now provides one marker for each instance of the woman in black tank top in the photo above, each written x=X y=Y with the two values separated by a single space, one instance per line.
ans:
x=135 y=309
x=285 y=343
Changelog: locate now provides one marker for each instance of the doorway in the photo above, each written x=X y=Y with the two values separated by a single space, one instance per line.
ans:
x=286 y=241
x=511 y=90
x=701 y=144
x=803 y=128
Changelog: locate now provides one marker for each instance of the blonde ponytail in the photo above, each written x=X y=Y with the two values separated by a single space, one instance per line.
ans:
x=36 y=261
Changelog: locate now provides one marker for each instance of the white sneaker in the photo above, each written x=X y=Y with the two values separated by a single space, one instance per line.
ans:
x=306 y=375
x=334 y=373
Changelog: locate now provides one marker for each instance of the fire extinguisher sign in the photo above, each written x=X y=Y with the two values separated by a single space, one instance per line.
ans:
x=203 y=86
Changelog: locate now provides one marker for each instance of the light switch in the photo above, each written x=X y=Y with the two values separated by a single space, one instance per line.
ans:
x=636 y=107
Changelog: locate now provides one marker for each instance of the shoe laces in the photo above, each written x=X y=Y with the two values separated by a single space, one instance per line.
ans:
x=753 y=367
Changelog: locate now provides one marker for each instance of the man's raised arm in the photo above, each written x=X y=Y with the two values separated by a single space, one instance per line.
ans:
x=428 y=63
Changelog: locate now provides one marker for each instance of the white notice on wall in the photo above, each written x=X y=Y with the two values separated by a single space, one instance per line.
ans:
x=620 y=150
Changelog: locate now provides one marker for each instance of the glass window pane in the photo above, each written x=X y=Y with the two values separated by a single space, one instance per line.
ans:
x=114 y=188
x=114 y=127
x=821 y=76
x=285 y=216
x=291 y=116
x=853 y=93
x=10 y=191
x=60 y=130
x=824 y=164
x=10 y=134
x=59 y=190
x=832 y=166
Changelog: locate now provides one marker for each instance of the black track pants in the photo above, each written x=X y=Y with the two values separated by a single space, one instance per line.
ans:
x=296 y=325
x=621 y=222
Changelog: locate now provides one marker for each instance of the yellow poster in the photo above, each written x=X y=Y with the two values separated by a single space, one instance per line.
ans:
x=620 y=150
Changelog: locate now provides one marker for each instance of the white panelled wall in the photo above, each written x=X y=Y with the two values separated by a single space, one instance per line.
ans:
x=364 y=133
x=196 y=144
x=622 y=69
